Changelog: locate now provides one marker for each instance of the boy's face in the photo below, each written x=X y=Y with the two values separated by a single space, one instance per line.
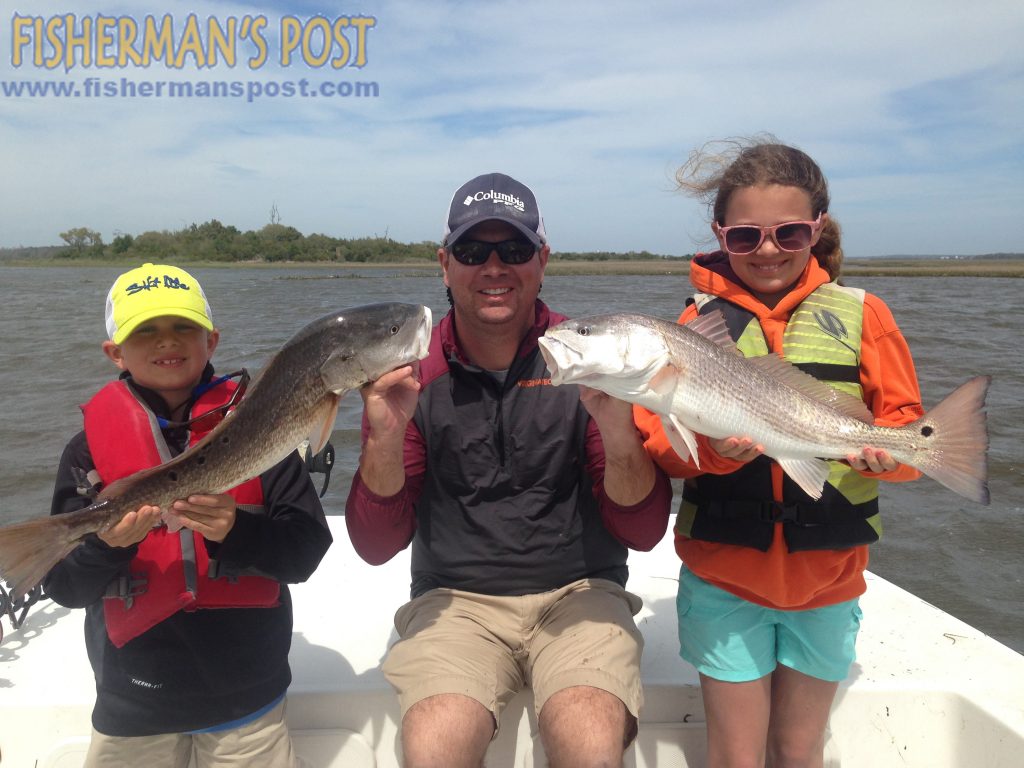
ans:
x=166 y=354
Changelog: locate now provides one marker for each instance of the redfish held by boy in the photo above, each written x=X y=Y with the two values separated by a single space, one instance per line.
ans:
x=294 y=397
x=694 y=377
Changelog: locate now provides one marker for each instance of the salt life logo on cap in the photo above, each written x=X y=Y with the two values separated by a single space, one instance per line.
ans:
x=494 y=196
x=154 y=290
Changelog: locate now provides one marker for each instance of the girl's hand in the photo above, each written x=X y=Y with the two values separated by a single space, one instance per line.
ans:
x=740 y=449
x=872 y=460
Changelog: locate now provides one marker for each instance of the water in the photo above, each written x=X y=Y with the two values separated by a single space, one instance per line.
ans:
x=957 y=555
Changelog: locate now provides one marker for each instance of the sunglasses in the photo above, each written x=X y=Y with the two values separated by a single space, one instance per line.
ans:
x=473 y=253
x=212 y=417
x=789 y=236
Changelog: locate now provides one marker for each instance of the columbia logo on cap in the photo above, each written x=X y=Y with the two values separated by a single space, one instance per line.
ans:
x=494 y=196
x=497 y=197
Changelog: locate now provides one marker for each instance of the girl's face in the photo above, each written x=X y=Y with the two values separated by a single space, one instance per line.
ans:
x=769 y=272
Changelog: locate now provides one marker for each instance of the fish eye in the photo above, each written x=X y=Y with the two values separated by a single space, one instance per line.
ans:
x=584 y=330
x=394 y=329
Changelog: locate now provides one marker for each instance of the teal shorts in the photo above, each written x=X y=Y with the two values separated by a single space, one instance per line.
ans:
x=731 y=639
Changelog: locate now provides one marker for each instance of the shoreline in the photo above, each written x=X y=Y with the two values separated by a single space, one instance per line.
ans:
x=870 y=267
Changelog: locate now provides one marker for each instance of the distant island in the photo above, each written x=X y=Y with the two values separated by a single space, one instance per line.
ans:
x=213 y=243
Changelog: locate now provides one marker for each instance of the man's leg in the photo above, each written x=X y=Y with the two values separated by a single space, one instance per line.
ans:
x=585 y=674
x=585 y=727
x=446 y=731
x=454 y=671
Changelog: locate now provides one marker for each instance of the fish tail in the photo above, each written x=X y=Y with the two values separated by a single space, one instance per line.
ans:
x=28 y=551
x=957 y=435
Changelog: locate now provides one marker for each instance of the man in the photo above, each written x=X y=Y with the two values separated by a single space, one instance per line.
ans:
x=519 y=499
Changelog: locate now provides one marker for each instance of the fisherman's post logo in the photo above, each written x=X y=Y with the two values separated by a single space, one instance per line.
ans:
x=254 y=46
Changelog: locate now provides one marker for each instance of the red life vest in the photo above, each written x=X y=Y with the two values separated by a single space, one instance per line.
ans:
x=171 y=571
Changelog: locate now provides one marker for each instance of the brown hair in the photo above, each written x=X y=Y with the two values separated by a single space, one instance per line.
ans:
x=716 y=170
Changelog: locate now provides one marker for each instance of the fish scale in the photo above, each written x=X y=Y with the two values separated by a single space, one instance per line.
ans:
x=698 y=382
x=294 y=397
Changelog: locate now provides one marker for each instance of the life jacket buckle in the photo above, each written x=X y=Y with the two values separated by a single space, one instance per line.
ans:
x=777 y=512
x=126 y=587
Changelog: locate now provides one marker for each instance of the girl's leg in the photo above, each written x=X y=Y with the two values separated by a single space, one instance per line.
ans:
x=737 y=721
x=800 y=706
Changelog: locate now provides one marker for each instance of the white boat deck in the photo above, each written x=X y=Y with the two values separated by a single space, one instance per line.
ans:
x=927 y=689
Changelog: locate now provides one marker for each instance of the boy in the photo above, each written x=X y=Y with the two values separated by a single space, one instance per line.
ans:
x=174 y=677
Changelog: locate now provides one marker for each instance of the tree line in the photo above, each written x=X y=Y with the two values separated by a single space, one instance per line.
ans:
x=213 y=241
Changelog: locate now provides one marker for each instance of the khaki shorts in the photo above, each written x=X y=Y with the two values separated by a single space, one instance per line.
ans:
x=489 y=647
x=263 y=743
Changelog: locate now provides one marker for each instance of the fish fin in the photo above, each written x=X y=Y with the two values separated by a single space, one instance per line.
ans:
x=713 y=328
x=120 y=486
x=957 y=436
x=809 y=474
x=681 y=438
x=324 y=424
x=28 y=551
x=665 y=380
x=788 y=374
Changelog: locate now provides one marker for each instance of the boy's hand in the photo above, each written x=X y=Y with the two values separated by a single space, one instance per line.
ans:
x=132 y=528
x=211 y=516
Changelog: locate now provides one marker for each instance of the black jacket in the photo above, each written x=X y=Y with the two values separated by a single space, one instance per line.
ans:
x=202 y=668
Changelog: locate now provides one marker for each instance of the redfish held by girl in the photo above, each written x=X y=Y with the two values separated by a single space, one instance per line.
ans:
x=295 y=396
x=695 y=378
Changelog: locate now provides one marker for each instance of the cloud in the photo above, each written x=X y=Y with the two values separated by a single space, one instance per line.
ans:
x=912 y=109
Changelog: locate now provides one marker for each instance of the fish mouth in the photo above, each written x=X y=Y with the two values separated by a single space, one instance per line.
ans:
x=423 y=333
x=551 y=349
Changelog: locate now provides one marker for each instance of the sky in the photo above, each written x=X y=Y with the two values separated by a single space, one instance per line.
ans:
x=913 y=109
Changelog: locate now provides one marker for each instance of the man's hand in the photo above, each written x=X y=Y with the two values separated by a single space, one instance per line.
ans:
x=612 y=415
x=390 y=401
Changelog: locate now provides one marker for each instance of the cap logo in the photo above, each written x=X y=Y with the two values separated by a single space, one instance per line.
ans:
x=154 y=282
x=498 y=197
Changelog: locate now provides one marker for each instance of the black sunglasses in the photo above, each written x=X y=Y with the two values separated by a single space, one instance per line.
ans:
x=473 y=253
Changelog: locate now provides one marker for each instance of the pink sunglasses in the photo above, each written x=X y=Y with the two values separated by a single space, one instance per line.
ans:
x=789 y=236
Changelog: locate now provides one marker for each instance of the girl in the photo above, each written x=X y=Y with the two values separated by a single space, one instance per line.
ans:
x=769 y=586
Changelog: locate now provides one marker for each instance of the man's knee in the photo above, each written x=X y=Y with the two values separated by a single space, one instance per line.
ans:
x=585 y=726
x=447 y=730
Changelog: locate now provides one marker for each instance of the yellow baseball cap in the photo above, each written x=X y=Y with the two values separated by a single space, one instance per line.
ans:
x=154 y=290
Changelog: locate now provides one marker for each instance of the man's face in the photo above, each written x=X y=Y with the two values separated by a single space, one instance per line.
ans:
x=493 y=293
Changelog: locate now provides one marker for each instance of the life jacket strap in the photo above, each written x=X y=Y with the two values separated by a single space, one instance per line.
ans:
x=126 y=587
